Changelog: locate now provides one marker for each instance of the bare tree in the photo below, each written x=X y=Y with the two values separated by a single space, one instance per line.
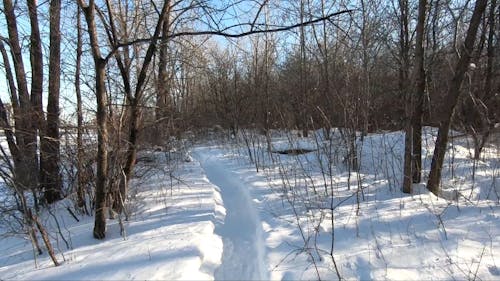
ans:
x=134 y=99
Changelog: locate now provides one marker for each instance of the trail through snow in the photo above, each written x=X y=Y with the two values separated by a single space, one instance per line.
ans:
x=244 y=249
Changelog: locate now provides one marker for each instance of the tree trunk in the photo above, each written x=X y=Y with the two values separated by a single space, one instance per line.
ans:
x=419 y=93
x=302 y=123
x=407 y=166
x=102 y=126
x=102 y=151
x=404 y=45
x=79 y=135
x=36 y=112
x=45 y=238
x=162 y=96
x=453 y=96
x=50 y=146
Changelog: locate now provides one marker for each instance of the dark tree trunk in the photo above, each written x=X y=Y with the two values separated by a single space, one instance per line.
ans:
x=102 y=150
x=453 y=96
x=36 y=113
x=404 y=57
x=50 y=146
x=419 y=93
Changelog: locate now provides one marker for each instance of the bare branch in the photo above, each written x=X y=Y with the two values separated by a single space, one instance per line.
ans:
x=234 y=35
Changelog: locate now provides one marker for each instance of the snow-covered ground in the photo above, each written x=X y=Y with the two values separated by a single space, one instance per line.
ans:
x=170 y=236
x=300 y=217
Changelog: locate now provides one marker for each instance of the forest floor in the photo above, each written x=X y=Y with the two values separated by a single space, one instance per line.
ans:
x=211 y=215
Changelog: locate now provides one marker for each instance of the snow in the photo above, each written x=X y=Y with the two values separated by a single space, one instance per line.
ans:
x=218 y=218
x=243 y=255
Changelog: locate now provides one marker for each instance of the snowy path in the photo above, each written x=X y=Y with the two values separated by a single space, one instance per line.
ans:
x=244 y=250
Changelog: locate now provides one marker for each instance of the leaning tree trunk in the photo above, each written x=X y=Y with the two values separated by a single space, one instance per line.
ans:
x=452 y=98
x=135 y=110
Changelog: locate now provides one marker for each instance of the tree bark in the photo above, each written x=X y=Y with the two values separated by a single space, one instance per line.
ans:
x=453 y=96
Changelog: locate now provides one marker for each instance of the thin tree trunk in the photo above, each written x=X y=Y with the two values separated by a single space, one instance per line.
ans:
x=45 y=238
x=79 y=136
x=304 y=107
x=326 y=73
x=453 y=96
x=5 y=123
